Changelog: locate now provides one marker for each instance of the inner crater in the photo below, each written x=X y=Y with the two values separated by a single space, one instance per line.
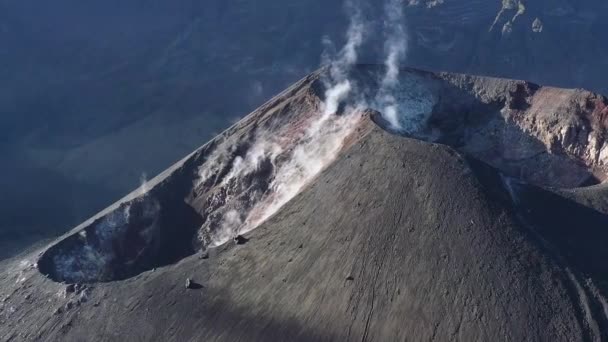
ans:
x=542 y=135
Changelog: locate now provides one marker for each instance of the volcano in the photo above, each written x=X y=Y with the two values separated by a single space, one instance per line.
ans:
x=478 y=213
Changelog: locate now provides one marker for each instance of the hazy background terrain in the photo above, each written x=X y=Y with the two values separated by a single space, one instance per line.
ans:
x=96 y=94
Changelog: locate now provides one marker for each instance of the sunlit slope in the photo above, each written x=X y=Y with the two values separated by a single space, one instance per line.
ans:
x=397 y=238
x=351 y=226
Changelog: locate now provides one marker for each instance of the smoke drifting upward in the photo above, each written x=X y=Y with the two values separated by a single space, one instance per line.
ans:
x=338 y=84
x=278 y=164
x=281 y=161
x=319 y=148
x=396 y=42
x=276 y=167
x=405 y=105
x=334 y=96
x=341 y=63
x=143 y=184
x=395 y=48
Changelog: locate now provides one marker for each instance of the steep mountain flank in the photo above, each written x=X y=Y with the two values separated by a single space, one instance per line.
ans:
x=346 y=227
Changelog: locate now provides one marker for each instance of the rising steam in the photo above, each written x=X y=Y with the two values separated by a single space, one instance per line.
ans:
x=294 y=159
x=395 y=48
x=338 y=84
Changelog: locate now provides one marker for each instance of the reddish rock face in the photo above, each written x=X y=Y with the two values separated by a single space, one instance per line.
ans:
x=353 y=209
x=540 y=135
x=546 y=136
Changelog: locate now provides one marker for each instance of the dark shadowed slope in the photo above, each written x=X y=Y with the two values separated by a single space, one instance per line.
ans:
x=97 y=93
x=397 y=239
x=394 y=239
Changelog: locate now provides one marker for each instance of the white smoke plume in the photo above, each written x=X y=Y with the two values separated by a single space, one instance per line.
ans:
x=395 y=49
x=297 y=158
x=338 y=85
x=325 y=135
x=231 y=225
x=263 y=148
x=334 y=95
x=405 y=102
x=347 y=57
x=318 y=149
x=143 y=184
x=296 y=161
x=396 y=42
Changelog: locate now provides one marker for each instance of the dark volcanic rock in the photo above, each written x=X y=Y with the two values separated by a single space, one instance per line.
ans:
x=88 y=88
x=240 y=240
x=71 y=288
x=456 y=231
x=192 y=285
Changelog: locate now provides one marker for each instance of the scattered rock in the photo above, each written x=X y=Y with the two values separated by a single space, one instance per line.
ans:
x=192 y=285
x=69 y=305
x=240 y=240
x=70 y=288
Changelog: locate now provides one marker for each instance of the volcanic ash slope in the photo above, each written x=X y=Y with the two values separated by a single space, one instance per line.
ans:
x=394 y=239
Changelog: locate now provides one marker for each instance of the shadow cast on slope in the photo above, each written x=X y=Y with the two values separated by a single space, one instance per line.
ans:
x=578 y=232
x=159 y=227
x=154 y=229
x=489 y=119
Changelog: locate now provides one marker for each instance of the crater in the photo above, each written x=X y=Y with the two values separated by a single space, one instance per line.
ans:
x=219 y=193
x=541 y=135
x=152 y=230
x=544 y=136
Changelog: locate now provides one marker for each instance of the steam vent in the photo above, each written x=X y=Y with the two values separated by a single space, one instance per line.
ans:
x=471 y=209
